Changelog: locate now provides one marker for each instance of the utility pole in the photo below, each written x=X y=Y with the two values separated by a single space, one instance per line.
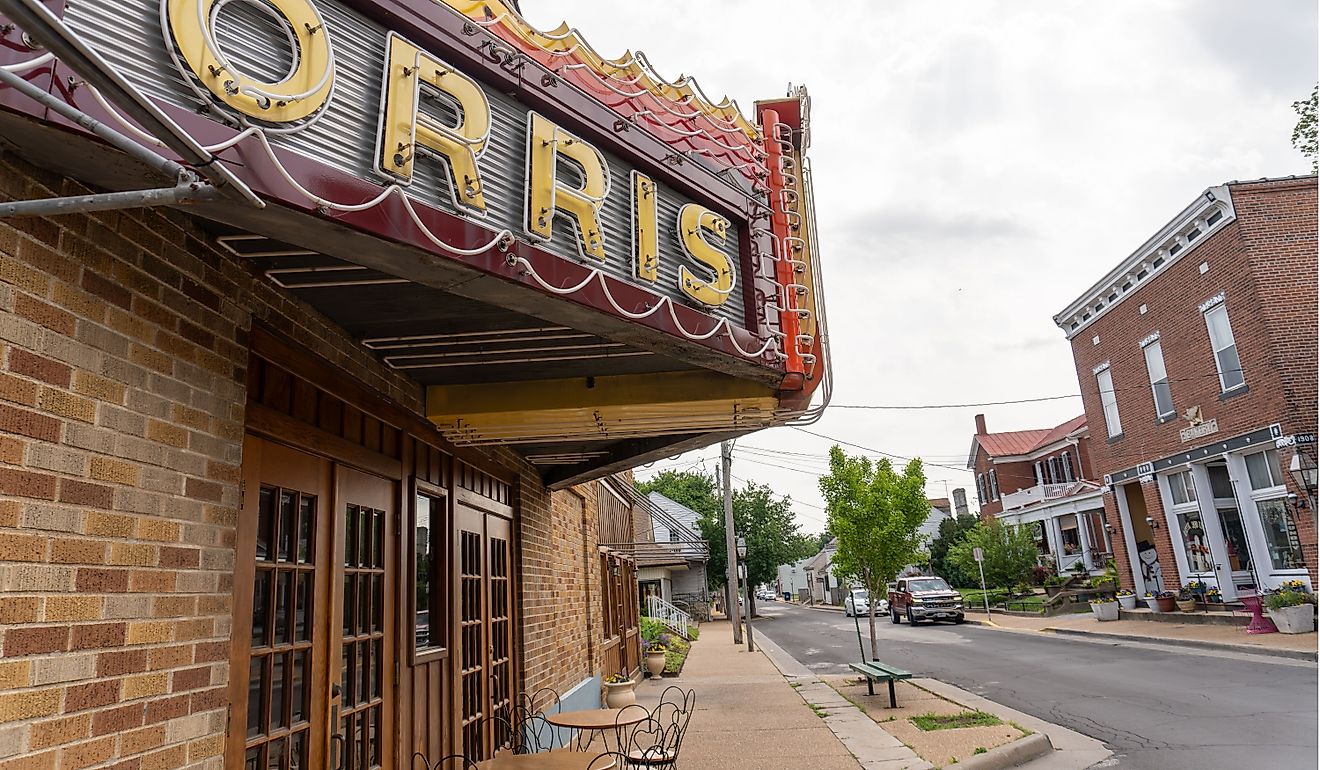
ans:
x=730 y=544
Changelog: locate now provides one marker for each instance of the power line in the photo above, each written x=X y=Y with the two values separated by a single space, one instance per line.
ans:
x=954 y=406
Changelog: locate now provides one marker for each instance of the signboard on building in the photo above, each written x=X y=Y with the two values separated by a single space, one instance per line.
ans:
x=1198 y=431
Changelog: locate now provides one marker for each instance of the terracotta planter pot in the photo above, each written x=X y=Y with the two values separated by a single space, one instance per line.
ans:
x=1127 y=602
x=1105 y=610
x=1188 y=605
x=619 y=695
x=1166 y=604
x=1294 y=620
x=655 y=663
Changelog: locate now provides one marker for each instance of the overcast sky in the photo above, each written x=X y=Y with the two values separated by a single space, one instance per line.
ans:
x=977 y=166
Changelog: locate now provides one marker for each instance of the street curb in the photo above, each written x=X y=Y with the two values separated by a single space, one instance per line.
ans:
x=1010 y=754
x=1247 y=649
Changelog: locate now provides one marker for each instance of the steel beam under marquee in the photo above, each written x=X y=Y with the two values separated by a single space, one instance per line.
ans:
x=620 y=406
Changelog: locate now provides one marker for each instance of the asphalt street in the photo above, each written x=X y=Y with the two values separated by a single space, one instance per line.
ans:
x=1156 y=707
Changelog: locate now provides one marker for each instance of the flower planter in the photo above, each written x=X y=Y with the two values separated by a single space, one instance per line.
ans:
x=1127 y=602
x=1105 y=610
x=655 y=663
x=619 y=695
x=1166 y=603
x=1294 y=620
x=1188 y=605
x=1150 y=603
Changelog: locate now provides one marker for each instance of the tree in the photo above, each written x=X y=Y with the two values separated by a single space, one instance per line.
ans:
x=951 y=531
x=875 y=513
x=1304 y=135
x=763 y=520
x=1010 y=553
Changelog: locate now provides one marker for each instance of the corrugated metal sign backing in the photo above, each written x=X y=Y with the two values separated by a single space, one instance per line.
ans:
x=128 y=33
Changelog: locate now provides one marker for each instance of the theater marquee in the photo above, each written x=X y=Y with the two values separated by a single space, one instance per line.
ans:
x=617 y=203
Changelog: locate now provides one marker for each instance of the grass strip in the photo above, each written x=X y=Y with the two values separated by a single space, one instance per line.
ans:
x=930 y=722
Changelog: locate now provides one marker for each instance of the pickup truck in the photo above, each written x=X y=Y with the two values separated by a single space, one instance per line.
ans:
x=924 y=598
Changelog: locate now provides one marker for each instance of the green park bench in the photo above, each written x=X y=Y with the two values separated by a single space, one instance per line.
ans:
x=878 y=672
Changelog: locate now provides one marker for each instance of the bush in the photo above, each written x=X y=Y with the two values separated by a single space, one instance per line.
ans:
x=651 y=629
x=1278 y=600
x=1010 y=552
x=1040 y=575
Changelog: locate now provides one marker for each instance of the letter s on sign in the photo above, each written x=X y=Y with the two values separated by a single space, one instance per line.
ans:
x=302 y=92
x=693 y=220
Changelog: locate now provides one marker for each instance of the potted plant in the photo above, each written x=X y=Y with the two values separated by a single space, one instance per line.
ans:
x=1186 y=602
x=655 y=658
x=1127 y=599
x=1148 y=599
x=1166 y=601
x=1213 y=596
x=1104 y=608
x=1196 y=588
x=1293 y=611
x=619 y=691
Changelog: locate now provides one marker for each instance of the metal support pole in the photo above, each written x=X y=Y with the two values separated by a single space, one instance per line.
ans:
x=747 y=607
x=165 y=166
x=51 y=31
x=730 y=544
x=184 y=193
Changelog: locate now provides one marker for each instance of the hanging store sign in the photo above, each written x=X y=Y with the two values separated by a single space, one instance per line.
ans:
x=320 y=79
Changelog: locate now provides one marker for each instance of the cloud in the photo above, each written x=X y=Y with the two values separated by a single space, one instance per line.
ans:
x=904 y=233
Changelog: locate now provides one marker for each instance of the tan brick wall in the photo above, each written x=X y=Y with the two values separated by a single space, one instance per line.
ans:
x=123 y=348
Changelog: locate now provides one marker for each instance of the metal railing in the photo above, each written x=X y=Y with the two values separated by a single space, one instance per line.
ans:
x=675 y=619
x=1039 y=493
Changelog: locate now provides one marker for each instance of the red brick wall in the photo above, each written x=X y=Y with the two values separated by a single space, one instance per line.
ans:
x=123 y=347
x=1265 y=263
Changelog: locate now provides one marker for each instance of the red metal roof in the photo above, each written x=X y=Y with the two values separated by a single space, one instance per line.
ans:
x=1021 y=442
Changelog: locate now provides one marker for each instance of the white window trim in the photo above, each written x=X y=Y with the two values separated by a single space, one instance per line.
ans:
x=1210 y=306
x=1112 y=430
x=1154 y=396
x=994 y=486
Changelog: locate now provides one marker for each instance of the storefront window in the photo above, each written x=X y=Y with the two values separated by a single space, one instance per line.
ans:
x=1182 y=488
x=429 y=528
x=1195 y=543
x=1263 y=470
x=1280 y=534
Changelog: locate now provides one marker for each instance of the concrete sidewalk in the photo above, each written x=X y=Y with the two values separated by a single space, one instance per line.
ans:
x=747 y=715
x=1226 y=638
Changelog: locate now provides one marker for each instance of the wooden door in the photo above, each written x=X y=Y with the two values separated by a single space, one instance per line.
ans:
x=362 y=689
x=486 y=671
x=312 y=659
x=279 y=654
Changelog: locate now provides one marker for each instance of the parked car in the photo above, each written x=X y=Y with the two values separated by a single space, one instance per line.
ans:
x=858 y=603
x=923 y=597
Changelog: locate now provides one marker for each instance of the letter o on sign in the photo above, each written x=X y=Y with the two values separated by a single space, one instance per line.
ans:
x=299 y=95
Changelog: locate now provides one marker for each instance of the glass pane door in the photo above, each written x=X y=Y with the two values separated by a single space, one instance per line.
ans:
x=362 y=648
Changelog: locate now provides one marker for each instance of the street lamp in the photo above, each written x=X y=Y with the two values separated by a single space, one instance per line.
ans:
x=1304 y=472
x=747 y=586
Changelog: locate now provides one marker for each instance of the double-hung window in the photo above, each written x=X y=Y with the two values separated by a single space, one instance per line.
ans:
x=1109 y=401
x=994 y=485
x=1224 y=347
x=1159 y=379
x=981 y=497
x=1066 y=461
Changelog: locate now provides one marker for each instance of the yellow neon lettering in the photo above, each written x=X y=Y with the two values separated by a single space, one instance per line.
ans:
x=645 y=250
x=298 y=96
x=547 y=195
x=404 y=131
x=693 y=221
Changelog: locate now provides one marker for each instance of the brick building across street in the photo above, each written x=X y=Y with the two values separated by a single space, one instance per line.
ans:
x=1196 y=357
